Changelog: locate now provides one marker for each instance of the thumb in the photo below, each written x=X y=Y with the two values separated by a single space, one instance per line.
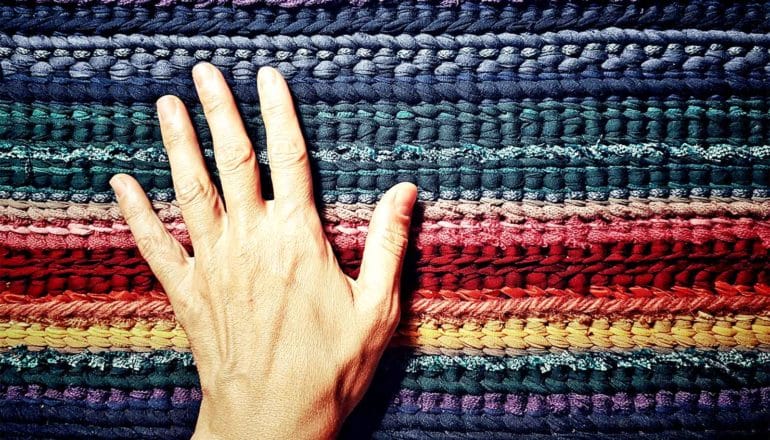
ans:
x=386 y=243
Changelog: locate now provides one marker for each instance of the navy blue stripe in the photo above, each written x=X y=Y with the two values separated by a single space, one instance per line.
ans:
x=427 y=89
x=388 y=16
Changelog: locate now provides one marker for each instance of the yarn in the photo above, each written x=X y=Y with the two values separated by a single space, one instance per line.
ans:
x=612 y=54
x=411 y=16
x=661 y=172
x=92 y=308
x=414 y=402
x=674 y=120
x=599 y=172
x=242 y=3
x=352 y=235
x=517 y=412
x=420 y=89
x=588 y=258
x=489 y=210
x=490 y=337
x=537 y=373
x=658 y=264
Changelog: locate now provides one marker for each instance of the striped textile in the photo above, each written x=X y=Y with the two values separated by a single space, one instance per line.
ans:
x=590 y=254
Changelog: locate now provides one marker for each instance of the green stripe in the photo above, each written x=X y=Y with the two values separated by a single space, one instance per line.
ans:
x=637 y=371
x=446 y=125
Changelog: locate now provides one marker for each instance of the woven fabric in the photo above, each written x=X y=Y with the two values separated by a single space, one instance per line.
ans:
x=590 y=253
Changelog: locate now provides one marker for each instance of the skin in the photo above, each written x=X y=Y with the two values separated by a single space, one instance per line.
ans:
x=285 y=343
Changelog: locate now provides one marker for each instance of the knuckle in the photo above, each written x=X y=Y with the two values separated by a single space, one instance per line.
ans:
x=214 y=103
x=286 y=154
x=174 y=137
x=277 y=111
x=151 y=246
x=133 y=213
x=394 y=240
x=192 y=192
x=233 y=154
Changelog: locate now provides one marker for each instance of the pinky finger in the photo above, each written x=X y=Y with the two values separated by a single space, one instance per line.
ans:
x=166 y=257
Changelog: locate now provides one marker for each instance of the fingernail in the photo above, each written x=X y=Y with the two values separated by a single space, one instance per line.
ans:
x=203 y=73
x=118 y=185
x=268 y=76
x=168 y=106
x=404 y=200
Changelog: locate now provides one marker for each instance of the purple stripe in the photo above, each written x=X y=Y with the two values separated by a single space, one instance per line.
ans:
x=409 y=401
x=540 y=405
x=109 y=397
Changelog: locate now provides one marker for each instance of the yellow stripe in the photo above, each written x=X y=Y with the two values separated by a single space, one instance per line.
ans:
x=513 y=334
x=137 y=336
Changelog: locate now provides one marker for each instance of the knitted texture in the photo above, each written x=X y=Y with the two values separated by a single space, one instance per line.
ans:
x=589 y=258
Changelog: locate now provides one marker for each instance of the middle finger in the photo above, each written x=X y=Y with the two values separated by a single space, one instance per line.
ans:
x=236 y=161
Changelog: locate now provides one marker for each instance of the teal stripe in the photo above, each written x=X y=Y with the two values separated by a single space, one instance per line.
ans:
x=598 y=172
x=587 y=372
x=537 y=155
x=447 y=125
x=21 y=358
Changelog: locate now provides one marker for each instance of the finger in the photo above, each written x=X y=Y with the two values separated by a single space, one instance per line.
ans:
x=198 y=199
x=289 y=165
x=386 y=244
x=236 y=161
x=166 y=257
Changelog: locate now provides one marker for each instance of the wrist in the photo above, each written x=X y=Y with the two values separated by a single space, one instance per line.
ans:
x=228 y=420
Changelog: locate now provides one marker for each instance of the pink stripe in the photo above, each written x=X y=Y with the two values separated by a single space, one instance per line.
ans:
x=352 y=235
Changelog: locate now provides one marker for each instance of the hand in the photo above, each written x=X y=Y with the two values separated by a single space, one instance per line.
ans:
x=285 y=343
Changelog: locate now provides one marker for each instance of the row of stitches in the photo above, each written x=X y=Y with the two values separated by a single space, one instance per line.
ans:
x=413 y=402
x=539 y=373
x=728 y=430
x=59 y=213
x=424 y=88
x=334 y=155
x=613 y=300
x=568 y=121
x=610 y=53
x=515 y=334
x=81 y=430
x=596 y=172
x=94 y=309
x=386 y=17
x=64 y=182
x=352 y=195
x=659 y=264
x=155 y=424
x=493 y=337
x=571 y=121
x=610 y=300
x=750 y=418
x=426 y=233
x=722 y=425
x=123 y=363
x=22 y=418
x=281 y=3
x=659 y=412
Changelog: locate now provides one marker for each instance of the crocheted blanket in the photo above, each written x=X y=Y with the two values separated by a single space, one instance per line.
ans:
x=590 y=253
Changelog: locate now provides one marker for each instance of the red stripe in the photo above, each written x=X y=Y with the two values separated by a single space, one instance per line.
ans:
x=659 y=264
x=122 y=306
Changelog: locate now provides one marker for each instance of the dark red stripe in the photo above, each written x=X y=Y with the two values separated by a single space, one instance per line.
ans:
x=658 y=264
